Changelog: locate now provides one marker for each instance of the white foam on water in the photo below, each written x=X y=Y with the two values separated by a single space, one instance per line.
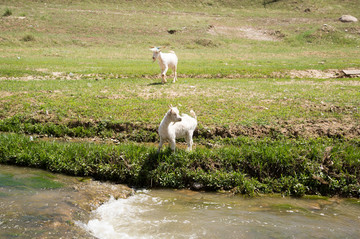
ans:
x=120 y=218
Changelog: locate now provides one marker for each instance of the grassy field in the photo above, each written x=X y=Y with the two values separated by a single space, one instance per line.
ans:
x=211 y=38
x=225 y=107
x=257 y=73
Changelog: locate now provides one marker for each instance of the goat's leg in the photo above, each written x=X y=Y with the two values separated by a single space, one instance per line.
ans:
x=163 y=74
x=175 y=74
x=172 y=145
x=189 y=141
x=160 y=144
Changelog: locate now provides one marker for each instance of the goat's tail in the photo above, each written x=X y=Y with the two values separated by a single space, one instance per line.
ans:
x=173 y=52
x=193 y=114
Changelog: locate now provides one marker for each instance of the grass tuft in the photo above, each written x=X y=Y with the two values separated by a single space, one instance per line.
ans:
x=28 y=38
x=7 y=13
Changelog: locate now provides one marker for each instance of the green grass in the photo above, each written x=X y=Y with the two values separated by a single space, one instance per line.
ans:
x=59 y=107
x=112 y=37
x=248 y=166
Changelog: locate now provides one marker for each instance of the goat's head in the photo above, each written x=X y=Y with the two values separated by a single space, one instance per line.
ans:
x=173 y=113
x=156 y=52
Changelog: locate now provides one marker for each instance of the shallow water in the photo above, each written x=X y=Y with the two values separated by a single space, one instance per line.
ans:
x=38 y=204
x=187 y=214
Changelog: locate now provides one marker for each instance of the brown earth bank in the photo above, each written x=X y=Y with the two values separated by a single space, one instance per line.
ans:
x=292 y=74
x=138 y=132
x=290 y=129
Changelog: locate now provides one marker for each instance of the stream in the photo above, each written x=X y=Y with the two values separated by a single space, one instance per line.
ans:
x=39 y=204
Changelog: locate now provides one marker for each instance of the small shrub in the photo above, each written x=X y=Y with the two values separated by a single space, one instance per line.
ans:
x=206 y=43
x=7 y=12
x=298 y=190
x=28 y=38
x=267 y=2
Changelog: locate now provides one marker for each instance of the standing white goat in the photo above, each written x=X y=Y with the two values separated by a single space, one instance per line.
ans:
x=166 y=60
x=174 y=126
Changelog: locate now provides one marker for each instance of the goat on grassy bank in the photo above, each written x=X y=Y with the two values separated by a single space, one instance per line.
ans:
x=166 y=60
x=174 y=126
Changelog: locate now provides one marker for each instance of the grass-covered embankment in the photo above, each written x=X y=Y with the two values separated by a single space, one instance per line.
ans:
x=133 y=108
x=248 y=166
x=82 y=69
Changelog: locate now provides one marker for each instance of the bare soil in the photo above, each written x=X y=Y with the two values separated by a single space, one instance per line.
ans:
x=291 y=129
x=246 y=32
x=293 y=74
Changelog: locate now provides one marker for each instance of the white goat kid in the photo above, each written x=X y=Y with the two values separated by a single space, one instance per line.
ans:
x=174 y=126
x=166 y=60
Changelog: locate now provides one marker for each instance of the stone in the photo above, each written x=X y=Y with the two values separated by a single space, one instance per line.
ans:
x=351 y=72
x=348 y=18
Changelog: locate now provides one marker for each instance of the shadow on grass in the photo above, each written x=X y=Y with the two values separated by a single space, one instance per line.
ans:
x=155 y=83
x=154 y=159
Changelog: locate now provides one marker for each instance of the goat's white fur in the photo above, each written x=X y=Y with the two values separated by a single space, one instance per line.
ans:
x=174 y=126
x=166 y=60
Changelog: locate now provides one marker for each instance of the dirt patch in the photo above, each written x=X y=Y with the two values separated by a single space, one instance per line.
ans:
x=322 y=128
x=317 y=74
x=4 y=94
x=293 y=74
x=245 y=32
x=314 y=74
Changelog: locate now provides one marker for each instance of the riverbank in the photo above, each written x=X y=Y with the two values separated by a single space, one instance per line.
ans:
x=248 y=166
x=38 y=204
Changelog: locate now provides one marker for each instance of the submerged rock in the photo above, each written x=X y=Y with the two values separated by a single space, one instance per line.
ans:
x=96 y=193
x=197 y=186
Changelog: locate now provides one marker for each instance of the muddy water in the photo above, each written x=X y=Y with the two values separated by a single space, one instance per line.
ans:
x=37 y=204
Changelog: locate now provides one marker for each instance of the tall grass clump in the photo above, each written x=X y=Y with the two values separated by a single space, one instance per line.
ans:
x=7 y=13
x=28 y=38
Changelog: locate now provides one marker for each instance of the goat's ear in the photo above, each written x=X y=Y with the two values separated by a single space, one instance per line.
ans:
x=170 y=106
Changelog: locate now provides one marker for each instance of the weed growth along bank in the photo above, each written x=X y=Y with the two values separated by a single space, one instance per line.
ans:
x=247 y=166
